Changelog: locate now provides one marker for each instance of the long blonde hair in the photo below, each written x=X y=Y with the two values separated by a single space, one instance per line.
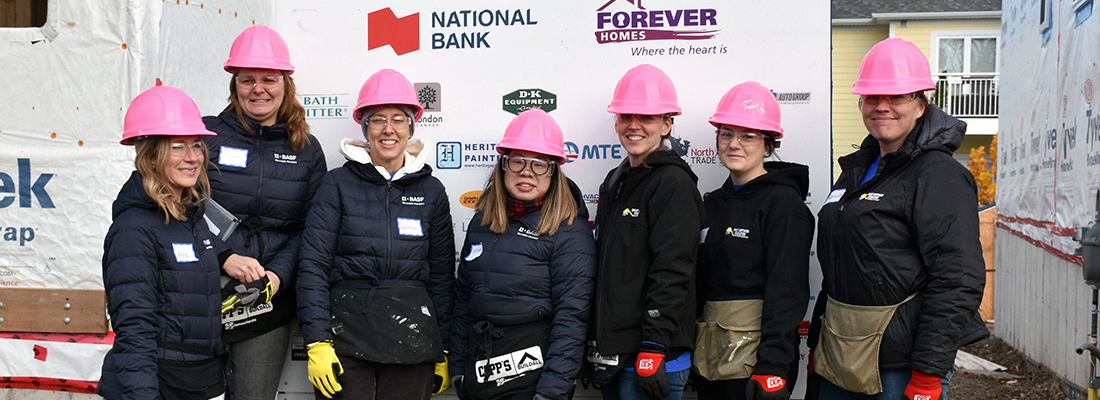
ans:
x=558 y=205
x=290 y=111
x=151 y=153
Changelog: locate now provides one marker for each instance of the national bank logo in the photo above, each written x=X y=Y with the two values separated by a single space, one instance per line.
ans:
x=401 y=34
x=632 y=22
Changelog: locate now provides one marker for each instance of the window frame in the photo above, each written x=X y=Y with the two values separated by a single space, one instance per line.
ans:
x=967 y=35
x=46 y=32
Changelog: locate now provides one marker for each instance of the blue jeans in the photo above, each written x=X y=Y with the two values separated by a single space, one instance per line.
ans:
x=893 y=387
x=623 y=386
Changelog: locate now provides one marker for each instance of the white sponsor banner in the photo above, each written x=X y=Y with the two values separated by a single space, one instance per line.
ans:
x=1049 y=158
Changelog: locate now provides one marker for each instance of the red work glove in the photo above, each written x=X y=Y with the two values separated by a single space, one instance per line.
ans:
x=649 y=371
x=923 y=386
x=810 y=366
x=767 y=387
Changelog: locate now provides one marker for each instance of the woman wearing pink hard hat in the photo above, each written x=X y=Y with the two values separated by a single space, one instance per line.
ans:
x=753 y=271
x=898 y=243
x=647 y=235
x=265 y=168
x=378 y=242
x=160 y=261
x=526 y=272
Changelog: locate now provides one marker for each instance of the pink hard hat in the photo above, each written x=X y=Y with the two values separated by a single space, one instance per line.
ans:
x=646 y=90
x=162 y=110
x=893 y=66
x=749 y=105
x=536 y=131
x=387 y=87
x=259 y=47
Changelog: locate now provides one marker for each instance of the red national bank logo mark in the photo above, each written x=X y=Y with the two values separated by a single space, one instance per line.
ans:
x=401 y=34
x=638 y=25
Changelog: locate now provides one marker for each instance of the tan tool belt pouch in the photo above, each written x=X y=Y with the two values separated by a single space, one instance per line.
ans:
x=848 y=348
x=726 y=339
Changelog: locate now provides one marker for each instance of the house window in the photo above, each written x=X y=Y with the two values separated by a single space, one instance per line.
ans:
x=965 y=71
x=22 y=13
x=967 y=55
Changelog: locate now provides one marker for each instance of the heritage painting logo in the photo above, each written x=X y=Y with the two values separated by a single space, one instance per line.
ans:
x=455 y=155
x=634 y=22
x=525 y=99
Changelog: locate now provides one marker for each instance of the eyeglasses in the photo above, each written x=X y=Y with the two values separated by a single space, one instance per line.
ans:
x=182 y=149
x=268 y=82
x=643 y=118
x=518 y=164
x=894 y=99
x=744 y=137
x=397 y=122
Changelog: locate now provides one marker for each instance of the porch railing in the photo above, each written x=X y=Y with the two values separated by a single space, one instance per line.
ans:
x=970 y=96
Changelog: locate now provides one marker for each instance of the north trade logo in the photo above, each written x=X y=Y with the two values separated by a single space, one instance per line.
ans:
x=401 y=34
x=637 y=23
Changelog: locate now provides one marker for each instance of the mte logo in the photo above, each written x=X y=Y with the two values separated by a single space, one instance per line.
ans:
x=592 y=151
x=525 y=99
x=638 y=23
x=401 y=34
x=25 y=187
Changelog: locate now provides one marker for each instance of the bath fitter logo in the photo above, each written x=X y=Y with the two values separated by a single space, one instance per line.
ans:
x=630 y=21
x=525 y=99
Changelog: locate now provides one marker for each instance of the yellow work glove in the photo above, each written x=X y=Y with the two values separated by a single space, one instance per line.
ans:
x=442 y=377
x=323 y=368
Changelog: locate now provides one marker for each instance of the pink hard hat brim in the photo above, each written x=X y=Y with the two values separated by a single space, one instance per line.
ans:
x=758 y=124
x=131 y=140
x=557 y=154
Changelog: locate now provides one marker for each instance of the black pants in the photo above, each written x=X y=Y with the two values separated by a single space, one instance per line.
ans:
x=365 y=380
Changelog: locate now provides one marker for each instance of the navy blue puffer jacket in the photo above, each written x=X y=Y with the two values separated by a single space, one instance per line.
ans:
x=363 y=226
x=273 y=187
x=519 y=277
x=163 y=293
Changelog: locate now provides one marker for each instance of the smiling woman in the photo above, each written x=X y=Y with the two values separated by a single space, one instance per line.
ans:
x=160 y=258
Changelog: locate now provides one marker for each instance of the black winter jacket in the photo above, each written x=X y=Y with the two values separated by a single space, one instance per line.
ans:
x=163 y=292
x=520 y=277
x=352 y=233
x=913 y=227
x=271 y=193
x=647 y=238
x=757 y=247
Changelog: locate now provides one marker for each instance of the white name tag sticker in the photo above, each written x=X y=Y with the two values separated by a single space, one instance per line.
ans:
x=475 y=252
x=233 y=157
x=409 y=227
x=185 y=252
x=835 y=196
x=703 y=235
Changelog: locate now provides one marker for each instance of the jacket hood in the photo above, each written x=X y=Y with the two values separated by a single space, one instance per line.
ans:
x=935 y=131
x=132 y=195
x=795 y=176
x=666 y=156
x=228 y=117
x=358 y=151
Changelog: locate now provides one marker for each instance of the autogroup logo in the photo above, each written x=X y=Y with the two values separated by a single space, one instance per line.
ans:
x=457 y=29
x=792 y=97
x=635 y=22
x=455 y=155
